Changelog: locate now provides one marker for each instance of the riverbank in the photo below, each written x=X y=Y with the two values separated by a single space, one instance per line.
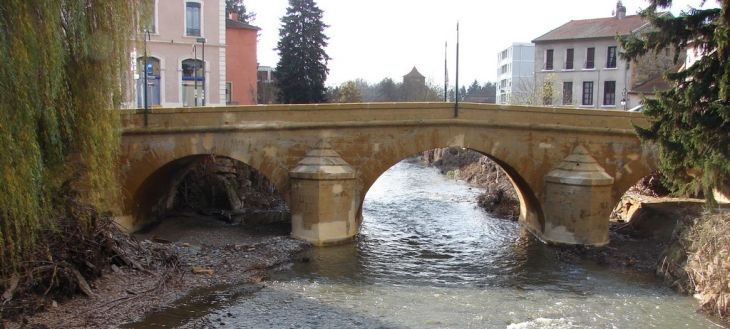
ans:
x=194 y=252
x=164 y=265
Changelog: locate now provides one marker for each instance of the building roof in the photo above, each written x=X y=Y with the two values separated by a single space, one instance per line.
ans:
x=414 y=74
x=240 y=25
x=606 y=27
x=657 y=84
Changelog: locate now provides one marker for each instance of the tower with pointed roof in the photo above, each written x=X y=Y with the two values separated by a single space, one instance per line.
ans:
x=414 y=77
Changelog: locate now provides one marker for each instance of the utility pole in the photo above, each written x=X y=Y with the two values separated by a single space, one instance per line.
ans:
x=146 y=63
x=202 y=40
x=446 y=73
x=456 y=104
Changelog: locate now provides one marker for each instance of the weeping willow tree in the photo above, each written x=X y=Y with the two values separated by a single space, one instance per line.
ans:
x=64 y=63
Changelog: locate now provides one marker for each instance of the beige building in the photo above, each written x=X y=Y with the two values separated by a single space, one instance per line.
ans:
x=185 y=45
x=578 y=63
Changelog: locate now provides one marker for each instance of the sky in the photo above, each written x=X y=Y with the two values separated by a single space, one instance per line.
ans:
x=377 y=39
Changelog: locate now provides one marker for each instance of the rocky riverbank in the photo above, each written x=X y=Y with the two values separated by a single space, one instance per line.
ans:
x=186 y=252
x=499 y=197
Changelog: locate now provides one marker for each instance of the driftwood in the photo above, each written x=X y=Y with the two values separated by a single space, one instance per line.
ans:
x=83 y=285
x=198 y=270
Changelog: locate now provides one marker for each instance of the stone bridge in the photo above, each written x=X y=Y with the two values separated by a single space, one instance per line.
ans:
x=569 y=166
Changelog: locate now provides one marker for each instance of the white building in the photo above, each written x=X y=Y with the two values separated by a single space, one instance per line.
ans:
x=515 y=67
x=578 y=63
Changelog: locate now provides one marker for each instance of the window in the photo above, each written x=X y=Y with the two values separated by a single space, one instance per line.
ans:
x=150 y=66
x=192 y=84
x=587 y=93
x=609 y=93
x=192 y=18
x=590 y=58
x=504 y=69
x=569 y=59
x=611 y=57
x=505 y=54
x=229 y=90
x=567 y=93
x=549 y=60
x=147 y=16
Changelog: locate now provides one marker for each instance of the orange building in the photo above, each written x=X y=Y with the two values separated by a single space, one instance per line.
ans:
x=241 y=63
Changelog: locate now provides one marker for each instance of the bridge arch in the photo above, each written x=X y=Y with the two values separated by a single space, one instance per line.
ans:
x=515 y=161
x=151 y=177
x=633 y=171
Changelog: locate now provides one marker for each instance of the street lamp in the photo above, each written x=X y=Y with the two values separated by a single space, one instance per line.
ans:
x=623 y=98
x=202 y=40
x=145 y=37
x=195 y=75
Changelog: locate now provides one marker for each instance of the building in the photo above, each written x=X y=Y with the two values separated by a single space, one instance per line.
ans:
x=515 y=68
x=267 y=90
x=241 y=64
x=414 y=88
x=265 y=74
x=414 y=78
x=577 y=64
x=185 y=43
x=650 y=88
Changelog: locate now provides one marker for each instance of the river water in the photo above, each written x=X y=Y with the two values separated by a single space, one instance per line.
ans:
x=427 y=257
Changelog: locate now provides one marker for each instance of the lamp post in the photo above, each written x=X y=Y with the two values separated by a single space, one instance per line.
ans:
x=456 y=101
x=195 y=76
x=145 y=37
x=623 y=99
x=202 y=40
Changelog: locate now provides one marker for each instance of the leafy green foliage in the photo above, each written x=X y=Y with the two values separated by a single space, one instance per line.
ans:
x=302 y=68
x=59 y=86
x=690 y=123
x=347 y=93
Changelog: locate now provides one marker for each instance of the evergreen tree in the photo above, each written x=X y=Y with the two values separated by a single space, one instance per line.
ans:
x=473 y=88
x=690 y=124
x=237 y=6
x=302 y=68
x=490 y=89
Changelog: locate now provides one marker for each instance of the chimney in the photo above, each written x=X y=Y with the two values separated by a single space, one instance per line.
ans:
x=620 y=10
x=233 y=16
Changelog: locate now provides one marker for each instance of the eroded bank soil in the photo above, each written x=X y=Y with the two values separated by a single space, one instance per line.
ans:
x=162 y=268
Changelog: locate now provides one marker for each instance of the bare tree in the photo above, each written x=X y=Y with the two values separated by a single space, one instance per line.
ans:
x=545 y=90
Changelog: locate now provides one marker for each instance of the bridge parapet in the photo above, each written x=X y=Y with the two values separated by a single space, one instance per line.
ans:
x=375 y=114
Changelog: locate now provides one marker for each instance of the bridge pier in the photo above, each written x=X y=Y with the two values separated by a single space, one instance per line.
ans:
x=323 y=198
x=578 y=201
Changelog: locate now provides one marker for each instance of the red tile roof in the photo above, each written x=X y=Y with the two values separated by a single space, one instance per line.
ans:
x=240 y=25
x=594 y=28
x=414 y=74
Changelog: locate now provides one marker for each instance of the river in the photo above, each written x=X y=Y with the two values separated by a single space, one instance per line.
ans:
x=428 y=257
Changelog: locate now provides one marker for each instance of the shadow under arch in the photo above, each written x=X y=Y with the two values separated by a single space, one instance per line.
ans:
x=514 y=161
x=633 y=172
x=155 y=195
